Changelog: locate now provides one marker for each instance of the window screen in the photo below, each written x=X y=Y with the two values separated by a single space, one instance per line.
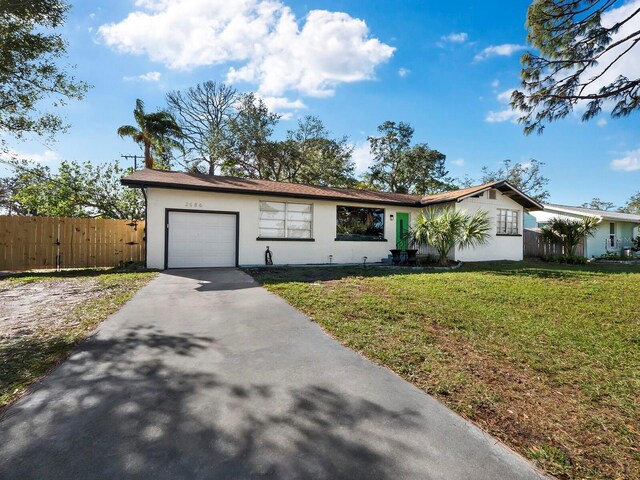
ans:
x=507 y=222
x=285 y=220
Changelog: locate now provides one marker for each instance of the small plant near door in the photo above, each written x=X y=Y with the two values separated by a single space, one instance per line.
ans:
x=443 y=229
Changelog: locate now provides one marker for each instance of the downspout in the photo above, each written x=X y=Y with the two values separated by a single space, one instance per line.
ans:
x=144 y=238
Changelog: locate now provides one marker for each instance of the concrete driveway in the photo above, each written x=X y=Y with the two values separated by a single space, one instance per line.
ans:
x=204 y=374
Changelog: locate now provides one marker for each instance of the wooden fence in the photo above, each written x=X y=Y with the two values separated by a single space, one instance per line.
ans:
x=536 y=246
x=52 y=242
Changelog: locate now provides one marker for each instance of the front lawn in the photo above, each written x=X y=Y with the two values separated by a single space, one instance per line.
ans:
x=43 y=315
x=545 y=357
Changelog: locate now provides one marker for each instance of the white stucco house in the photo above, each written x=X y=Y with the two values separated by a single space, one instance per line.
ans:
x=615 y=231
x=197 y=220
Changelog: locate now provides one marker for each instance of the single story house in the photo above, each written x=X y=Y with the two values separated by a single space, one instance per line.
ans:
x=195 y=220
x=615 y=231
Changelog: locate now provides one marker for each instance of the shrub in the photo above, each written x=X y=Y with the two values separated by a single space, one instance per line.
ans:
x=569 y=259
x=569 y=232
x=446 y=228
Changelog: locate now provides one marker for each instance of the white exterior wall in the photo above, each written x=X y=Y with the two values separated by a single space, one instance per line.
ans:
x=251 y=251
x=498 y=247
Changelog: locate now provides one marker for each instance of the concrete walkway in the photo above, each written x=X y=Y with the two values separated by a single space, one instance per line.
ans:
x=205 y=375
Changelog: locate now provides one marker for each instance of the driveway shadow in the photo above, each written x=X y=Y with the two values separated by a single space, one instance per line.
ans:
x=213 y=279
x=103 y=415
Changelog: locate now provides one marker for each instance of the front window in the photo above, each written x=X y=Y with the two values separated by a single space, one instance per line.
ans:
x=285 y=220
x=612 y=234
x=507 y=222
x=359 y=223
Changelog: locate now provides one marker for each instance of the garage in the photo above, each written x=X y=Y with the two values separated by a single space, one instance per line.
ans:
x=201 y=239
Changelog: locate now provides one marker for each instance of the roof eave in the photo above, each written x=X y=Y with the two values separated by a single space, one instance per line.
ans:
x=582 y=214
x=176 y=186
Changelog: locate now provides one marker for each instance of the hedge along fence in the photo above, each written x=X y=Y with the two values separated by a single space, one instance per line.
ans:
x=54 y=242
x=535 y=245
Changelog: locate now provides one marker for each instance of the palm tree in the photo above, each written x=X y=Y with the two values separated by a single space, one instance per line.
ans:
x=156 y=133
x=569 y=232
x=445 y=228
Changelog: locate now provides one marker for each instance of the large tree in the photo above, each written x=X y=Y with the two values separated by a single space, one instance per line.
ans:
x=579 y=61
x=251 y=153
x=204 y=113
x=597 y=204
x=75 y=190
x=29 y=72
x=157 y=133
x=398 y=166
x=526 y=177
x=633 y=204
x=317 y=159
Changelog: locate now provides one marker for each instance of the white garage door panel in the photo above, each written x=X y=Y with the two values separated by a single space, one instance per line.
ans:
x=201 y=240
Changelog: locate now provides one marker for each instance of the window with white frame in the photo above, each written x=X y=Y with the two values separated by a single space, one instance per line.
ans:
x=507 y=222
x=285 y=220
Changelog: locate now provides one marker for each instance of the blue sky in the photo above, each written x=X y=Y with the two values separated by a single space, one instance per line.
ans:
x=444 y=67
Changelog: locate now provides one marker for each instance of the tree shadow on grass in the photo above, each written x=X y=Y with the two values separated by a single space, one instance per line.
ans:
x=560 y=272
x=322 y=274
x=130 y=407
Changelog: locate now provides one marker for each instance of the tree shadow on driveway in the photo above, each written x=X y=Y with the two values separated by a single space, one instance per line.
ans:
x=138 y=406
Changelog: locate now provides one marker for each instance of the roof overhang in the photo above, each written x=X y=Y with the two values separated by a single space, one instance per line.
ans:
x=179 y=186
x=600 y=215
x=504 y=187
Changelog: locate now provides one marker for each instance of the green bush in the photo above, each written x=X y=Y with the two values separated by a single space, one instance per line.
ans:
x=615 y=256
x=427 y=260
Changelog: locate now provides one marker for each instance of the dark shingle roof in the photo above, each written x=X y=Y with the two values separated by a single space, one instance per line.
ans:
x=194 y=181
x=504 y=187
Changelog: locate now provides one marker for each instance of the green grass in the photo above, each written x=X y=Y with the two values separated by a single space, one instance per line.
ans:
x=26 y=358
x=544 y=356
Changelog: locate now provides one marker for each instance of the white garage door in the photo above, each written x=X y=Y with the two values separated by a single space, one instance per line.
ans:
x=201 y=240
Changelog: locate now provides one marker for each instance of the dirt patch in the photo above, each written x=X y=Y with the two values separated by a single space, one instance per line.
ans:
x=26 y=308
x=43 y=316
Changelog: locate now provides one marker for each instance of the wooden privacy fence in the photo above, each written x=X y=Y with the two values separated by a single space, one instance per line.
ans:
x=50 y=242
x=536 y=246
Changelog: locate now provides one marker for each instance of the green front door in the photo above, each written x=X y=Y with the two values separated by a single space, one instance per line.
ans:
x=402 y=227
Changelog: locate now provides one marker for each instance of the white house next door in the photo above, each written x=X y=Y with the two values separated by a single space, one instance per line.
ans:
x=200 y=239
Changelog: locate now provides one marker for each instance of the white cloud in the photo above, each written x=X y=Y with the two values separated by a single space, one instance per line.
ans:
x=506 y=114
x=46 y=157
x=505 y=97
x=602 y=122
x=264 y=40
x=495 y=83
x=403 y=72
x=145 y=77
x=629 y=163
x=362 y=156
x=454 y=37
x=277 y=104
x=505 y=50
x=458 y=162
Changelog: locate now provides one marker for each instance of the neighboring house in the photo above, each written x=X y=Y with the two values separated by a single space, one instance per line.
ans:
x=615 y=232
x=206 y=221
